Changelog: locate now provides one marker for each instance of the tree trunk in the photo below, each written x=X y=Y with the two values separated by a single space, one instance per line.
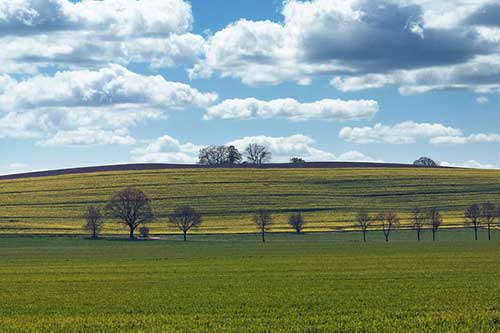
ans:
x=418 y=235
x=185 y=235
x=433 y=234
x=386 y=237
x=364 y=236
x=489 y=232
x=263 y=236
x=132 y=232
x=94 y=234
x=475 y=232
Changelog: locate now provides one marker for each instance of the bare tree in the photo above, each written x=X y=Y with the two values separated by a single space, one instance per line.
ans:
x=419 y=219
x=296 y=221
x=131 y=207
x=488 y=216
x=364 y=221
x=257 y=154
x=435 y=221
x=389 y=221
x=263 y=220
x=185 y=218
x=94 y=221
x=425 y=162
x=144 y=231
x=472 y=216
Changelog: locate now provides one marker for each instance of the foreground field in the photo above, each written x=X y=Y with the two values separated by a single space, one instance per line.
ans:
x=228 y=197
x=305 y=283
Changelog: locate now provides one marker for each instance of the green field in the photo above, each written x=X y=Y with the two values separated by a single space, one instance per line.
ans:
x=323 y=282
x=228 y=197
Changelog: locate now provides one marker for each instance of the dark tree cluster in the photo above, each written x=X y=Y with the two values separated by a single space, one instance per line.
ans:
x=425 y=162
x=229 y=155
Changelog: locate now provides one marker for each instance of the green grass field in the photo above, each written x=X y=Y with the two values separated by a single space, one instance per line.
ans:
x=228 y=197
x=323 y=282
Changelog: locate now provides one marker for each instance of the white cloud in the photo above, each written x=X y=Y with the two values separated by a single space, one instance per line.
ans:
x=169 y=150
x=289 y=108
x=482 y=100
x=166 y=149
x=402 y=133
x=473 y=164
x=459 y=140
x=344 y=39
x=481 y=75
x=36 y=33
x=86 y=137
x=83 y=102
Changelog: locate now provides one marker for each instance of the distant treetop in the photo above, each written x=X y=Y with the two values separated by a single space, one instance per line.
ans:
x=297 y=160
x=425 y=162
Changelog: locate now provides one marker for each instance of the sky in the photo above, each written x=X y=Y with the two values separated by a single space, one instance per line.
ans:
x=86 y=83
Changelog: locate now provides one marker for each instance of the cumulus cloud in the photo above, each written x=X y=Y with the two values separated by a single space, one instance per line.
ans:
x=166 y=149
x=346 y=38
x=289 y=108
x=86 y=137
x=87 y=103
x=472 y=164
x=481 y=75
x=37 y=33
x=460 y=140
x=402 y=133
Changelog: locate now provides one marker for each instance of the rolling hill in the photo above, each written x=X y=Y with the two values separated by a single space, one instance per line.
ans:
x=329 y=194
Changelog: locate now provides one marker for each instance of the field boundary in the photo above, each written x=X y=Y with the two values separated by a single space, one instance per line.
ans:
x=163 y=166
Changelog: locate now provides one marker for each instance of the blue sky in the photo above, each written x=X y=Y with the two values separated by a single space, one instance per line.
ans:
x=120 y=81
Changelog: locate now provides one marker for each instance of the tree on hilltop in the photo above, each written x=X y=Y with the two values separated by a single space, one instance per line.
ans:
x=257 y=154
x=425 y=162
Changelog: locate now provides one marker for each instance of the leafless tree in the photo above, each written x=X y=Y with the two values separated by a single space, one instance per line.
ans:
x=472 y=216
x=389 y=221
x=296 y=221
x=131 y=207
x=263 y=220
x=419 y=219
x=185 y=218
x=94 y=221
x=435 y=221
x=488 y=216
x=364 y=221
x=257 y=154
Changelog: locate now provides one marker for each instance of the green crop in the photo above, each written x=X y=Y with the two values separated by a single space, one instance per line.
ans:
x=323 y=282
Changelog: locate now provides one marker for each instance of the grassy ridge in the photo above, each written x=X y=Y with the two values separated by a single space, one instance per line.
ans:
x=227 y=197
x=294 y=283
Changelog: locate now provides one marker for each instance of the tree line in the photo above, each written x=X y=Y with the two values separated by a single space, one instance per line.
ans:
x=132 y=208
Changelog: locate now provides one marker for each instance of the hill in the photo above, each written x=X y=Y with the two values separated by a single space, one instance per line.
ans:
x=329 y=197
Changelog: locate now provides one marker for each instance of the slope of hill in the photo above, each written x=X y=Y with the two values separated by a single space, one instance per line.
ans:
x=329 y=197
x=161 y=166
